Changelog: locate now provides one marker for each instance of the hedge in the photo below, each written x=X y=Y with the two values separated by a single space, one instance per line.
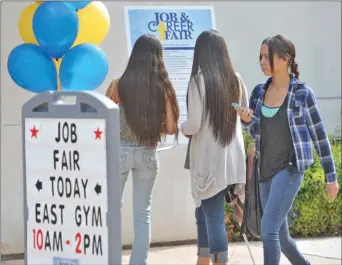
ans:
x=318 y=215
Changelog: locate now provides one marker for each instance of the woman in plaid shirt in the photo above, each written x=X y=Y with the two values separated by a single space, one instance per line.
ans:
x=285 y=123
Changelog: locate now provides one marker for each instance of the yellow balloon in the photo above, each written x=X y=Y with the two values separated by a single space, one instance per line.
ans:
x=94 y=23
x=25 y=23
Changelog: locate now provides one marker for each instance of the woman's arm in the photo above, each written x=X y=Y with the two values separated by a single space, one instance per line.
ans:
x=195 y=110
x=170 y=118
x=113 y=91
x=320 y=138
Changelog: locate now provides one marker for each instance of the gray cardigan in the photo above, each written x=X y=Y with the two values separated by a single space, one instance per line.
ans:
x=212 y=167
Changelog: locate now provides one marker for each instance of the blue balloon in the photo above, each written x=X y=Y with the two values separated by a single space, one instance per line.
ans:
x=84 y=67
x=55 y=26
x=32 y=69
x=78 y=4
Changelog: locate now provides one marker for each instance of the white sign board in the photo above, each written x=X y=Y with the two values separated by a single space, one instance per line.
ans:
x=66 y=191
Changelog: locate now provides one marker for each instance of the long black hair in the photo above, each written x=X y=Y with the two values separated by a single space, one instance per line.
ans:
x=142 y=90
x=212 y=61
x=285 y=49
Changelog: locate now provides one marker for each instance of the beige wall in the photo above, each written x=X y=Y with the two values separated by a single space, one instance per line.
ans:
x=315 y=29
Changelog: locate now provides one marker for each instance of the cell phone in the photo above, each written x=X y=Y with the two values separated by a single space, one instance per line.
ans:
x=236 y=106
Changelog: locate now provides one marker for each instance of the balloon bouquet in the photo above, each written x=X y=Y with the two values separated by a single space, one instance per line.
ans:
x=60 y=49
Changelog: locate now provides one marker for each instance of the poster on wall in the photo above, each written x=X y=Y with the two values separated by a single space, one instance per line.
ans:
x=177 y=27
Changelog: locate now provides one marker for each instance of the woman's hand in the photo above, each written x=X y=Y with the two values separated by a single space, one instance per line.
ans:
x=245 y=114
x=332 y=190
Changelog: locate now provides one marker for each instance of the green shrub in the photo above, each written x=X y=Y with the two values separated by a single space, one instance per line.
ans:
x=319 y=216
x=232 y=225
x=247 y=140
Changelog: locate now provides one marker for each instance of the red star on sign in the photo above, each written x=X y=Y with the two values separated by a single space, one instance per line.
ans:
x=98 y=133
x=34 y=132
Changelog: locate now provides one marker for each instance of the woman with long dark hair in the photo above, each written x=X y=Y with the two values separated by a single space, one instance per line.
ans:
x=216 y=139
x=286 y=121
x=148 y=110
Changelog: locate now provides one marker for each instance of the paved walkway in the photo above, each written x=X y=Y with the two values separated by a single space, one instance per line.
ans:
x=319 y=251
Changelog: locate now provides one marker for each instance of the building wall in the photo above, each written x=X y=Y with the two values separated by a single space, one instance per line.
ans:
x=315 y=29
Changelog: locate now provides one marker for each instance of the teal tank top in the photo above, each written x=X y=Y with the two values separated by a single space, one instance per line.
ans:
x=269 y=112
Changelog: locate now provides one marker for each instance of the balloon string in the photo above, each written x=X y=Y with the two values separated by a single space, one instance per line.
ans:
x=58 y=81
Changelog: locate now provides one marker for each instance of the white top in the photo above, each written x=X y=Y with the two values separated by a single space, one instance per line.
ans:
x=212 y=167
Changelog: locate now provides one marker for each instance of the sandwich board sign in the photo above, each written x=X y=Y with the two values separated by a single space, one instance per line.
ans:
x=72 y=195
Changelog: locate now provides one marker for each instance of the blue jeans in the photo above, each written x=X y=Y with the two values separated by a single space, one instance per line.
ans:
x=211 y=229
x=144 y=164
x=277 y=196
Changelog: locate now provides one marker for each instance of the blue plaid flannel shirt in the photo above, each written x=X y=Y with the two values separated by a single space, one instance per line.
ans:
x=306 y=126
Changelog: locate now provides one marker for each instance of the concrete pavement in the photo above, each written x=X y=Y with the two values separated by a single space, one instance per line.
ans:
x=323 y=251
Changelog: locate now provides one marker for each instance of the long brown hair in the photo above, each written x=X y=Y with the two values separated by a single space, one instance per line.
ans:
x=211 y=60
x=142 y=89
